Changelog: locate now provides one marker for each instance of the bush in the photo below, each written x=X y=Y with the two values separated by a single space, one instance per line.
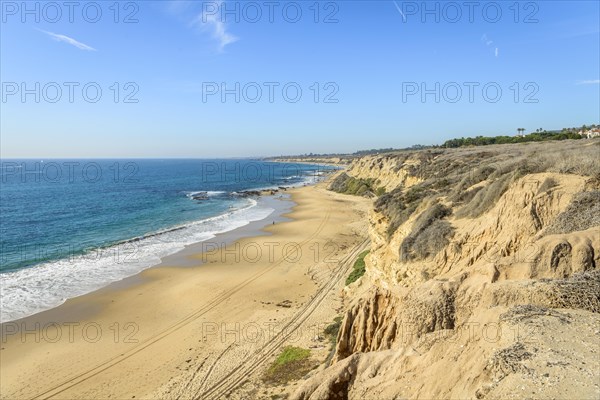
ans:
x=331 y=331
x=580 y=291
x=346 y=184
x=292 y=364
x=398 y=205
x=433 y=239
x=467 y=195
x=429 y=234
x=339 y=183
x=548 y=184
x=358 y=269
x=583 y=162
x=486 y=198
x=470 y=179
x=583 y=213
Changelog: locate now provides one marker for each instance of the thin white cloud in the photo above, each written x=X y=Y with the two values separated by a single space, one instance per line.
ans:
x=589 y=82
x=488 y=42
x=66 y=39
x=212 y=22
x=400 y=11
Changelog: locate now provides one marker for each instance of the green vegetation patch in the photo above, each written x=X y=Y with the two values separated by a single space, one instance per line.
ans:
x=398 y=205
x=532 y=137
x=358 y=269
x=346 y=184
x=331 y=331
x=292 y=364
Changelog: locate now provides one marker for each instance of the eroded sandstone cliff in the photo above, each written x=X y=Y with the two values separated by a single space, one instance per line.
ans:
x=482 y=280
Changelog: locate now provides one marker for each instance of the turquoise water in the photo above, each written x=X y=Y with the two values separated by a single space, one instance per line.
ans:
x=71 y=226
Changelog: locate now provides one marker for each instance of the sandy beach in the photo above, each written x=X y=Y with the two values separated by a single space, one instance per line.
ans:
x=202 y=324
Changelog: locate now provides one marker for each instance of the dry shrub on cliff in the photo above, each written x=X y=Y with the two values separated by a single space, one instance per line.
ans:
x=398 y=206
x=346 y=184
x=339 y=183
x=509 y=361
x=429 y=234
x=451 y=172
x=593 y=183
x=471 y=178
x=332 y=330
x=433 y=239
x=524 y=312
x=580 y=291
x=466 y=196
x=585 y=161
x=486 y=198
x=583 y=213
x=548 y=184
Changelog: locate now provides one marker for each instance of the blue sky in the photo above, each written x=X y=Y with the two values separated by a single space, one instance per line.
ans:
x=369 y=60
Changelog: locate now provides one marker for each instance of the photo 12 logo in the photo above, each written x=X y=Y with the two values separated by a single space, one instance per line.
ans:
x=471 y=92
x=53 y=12
x=270 y=92
x=253 y=172
x=453 y=12
x=253 y=12
x=271 y=252
x=126 y=252
x=69 y=332
x=69 y=172
x=69 y=92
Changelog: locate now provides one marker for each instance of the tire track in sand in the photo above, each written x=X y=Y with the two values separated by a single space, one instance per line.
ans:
x=111 y=362
x=240 y=373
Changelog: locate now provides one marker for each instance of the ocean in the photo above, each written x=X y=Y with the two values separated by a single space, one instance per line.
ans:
x=68 y=227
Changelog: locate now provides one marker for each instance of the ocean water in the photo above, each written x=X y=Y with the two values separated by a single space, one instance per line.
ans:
x=68 y=227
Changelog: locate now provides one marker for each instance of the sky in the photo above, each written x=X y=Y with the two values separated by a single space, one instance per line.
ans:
x=205 y=79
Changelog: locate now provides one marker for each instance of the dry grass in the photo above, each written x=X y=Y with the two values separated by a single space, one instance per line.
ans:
x=585 y=161
x=429 y=234
x=449 y=174
x=524 y=312
x=431 y=240
x=583 y=213
x=509 y=361
x=485 y=199
x=580 y=291
x=548 y=184
x=397 y=207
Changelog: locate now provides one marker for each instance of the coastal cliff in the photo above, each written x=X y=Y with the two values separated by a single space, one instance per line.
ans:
x=482 y=279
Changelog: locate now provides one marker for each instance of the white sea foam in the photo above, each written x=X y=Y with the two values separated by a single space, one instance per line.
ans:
x=209 y=193
x=44 y=286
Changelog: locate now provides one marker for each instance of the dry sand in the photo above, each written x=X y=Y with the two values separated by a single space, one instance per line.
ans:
x=199 y=331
